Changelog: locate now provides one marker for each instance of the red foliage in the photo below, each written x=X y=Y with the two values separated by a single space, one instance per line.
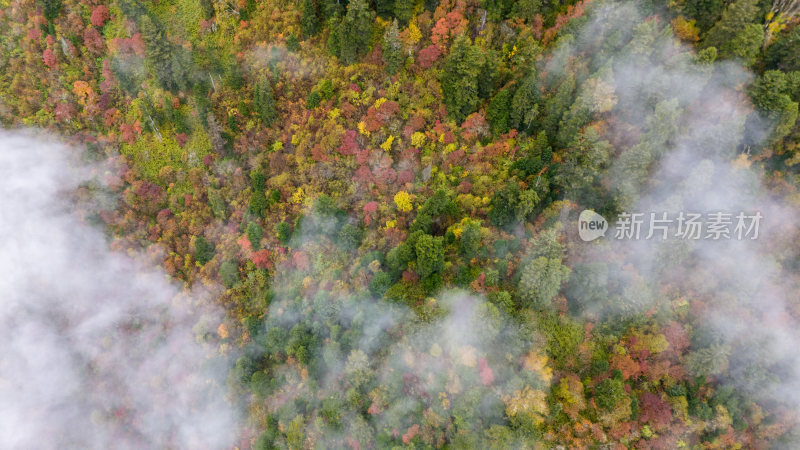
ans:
x=349 y=144
x=412 y=432
x=654 y=411
x=452 y=24
x=34 y=34
x=181 y=138
x=626 y=365
x=49 y=58
x=100 y=15
x=369 y=210
x=572 y=12
x=363 y=175
x=677 y=337
x=130 y=132
x=300 y=260
x=64 y=111
x=428 y=55
x=405 y=176
x=261 y=259
x=377 y=117
x=474 y=126
x=93 y=40
x=486 y=374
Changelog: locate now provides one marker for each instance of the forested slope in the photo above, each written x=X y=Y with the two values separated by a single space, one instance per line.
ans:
x=388 y=193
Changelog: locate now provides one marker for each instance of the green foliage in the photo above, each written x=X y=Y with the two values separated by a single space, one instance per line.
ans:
x=731 y=35
x=229 y=273
x=203 y=250
x=460 y=78
x=430 y=255
x=541 y=280
x=254 y=234
x=350 y=38
x=393 y=49
x=511 y=205
x=168 y=63
x=609 y=393
x=264 y=101
x=283 y=232
x=310 y=20
x=782 y=54
x=499 y=112
x=470 y=240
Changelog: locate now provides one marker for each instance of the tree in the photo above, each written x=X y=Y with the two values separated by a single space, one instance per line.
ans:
x=470 y=240
x=352 y=34
x=511 y=204
x=393 y=49
x=264 y=101
x=734 y=21
x=460 y=78
x=203 y=250
x=608 y=393
x=541 y=280
x=163 y=59
x=528 y=9
x=404 y=10
x=310 y=20
x=782 y=54
x=499 y=112
x=430 y=255
x=50 y=9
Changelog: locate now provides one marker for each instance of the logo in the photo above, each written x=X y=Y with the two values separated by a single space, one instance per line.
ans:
x=591 y=225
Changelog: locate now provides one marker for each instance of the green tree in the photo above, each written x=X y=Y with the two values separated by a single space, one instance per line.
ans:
x=203 y=250
x=264 y=101
x=541 y=280
x=310 y=21
x=782 y=54
x=404 y=10
x=352 y=34
x=460 y=78
x=499 y=112
x=430 y=255
x=393 y=49
x=528 y=9
x=470 y=241
x=609 y=392
x=163 y=59
x=735 y=20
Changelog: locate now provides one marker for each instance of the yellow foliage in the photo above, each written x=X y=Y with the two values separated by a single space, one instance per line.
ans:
x=536 y=362
x=403 y=201
x=222 y=331
x=298 y=196
x=467 y=355
x=417 y=139
x=387 y=144
x=379 y=102
x=528 y=401
x=414 y=35
x=362 y=128
x=686 y=30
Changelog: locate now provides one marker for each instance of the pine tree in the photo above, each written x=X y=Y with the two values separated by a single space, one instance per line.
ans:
x=353 y=33
x=393 y=49
x=264 y=101
x=310 y=19
x=460 y=78
x=164 y=60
